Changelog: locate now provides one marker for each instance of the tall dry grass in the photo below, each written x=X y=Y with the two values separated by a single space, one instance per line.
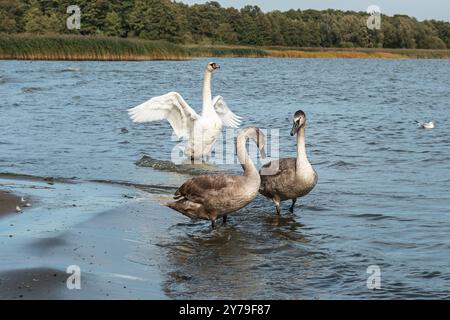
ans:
x=334 y=54
x=358 y=53
x=64 y=47
x=226 y=51
x=57 y=47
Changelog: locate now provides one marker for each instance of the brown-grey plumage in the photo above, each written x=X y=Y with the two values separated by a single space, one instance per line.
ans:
x=290 y=178
x=211 y=197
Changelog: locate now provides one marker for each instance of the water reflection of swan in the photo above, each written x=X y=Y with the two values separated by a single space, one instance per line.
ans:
x=240 y=261
x=294 y=178
x=201 y=131
x=215 y=265
x=210 y=197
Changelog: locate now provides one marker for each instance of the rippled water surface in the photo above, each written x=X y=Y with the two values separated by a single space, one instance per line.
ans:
x=383 y=192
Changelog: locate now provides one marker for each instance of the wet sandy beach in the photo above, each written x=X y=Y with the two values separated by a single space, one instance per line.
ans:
x=111 y=247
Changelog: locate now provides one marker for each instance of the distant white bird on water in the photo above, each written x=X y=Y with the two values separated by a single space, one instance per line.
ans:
x=425 y=125
x=201 y=131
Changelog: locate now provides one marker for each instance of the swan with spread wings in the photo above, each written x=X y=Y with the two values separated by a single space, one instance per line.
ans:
x=200 y=131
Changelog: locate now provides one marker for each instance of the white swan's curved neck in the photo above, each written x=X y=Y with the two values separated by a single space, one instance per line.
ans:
x=244 y=158
x=302 y=163
x=207 y=95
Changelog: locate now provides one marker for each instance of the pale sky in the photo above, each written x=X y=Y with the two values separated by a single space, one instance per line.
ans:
x=421 y=9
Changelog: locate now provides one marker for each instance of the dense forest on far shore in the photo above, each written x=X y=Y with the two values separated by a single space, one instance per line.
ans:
x=211 y=24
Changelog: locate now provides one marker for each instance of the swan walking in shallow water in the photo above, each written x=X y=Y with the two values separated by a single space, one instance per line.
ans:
x=426 y=125
x=213 y=197
x=201 y=131
x=295 y=178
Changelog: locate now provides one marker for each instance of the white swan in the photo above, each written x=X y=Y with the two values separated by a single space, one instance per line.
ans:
x=201 y=131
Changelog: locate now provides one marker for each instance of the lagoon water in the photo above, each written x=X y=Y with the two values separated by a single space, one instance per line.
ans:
x=382 y=197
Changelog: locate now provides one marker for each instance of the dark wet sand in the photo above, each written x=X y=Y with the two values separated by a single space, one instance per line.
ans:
x=111 y=248
x=36 y=284
x=103 y=249
x=8 y=203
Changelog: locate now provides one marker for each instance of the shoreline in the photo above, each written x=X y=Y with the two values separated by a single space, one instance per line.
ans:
x=91 y=48
x=70 y=227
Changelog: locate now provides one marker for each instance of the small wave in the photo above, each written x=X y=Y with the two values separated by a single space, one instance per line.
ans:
x=371 y=216
x=314 y=208
x=378 y=216
x=401 y=150
x=402 y=245
x=428 y=274
x=381 y=149
x=4 y=79
x=31 y=89
x=71 y=69
x=269 y=249
x=163 y=165
x=437 y=160
x=320 y=163
x=144 y=187
x=342 y=164
x=50 y=180
x=157 y=189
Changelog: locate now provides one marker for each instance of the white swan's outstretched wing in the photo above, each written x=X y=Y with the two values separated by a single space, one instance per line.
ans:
x=229 y=119
x=170 y=106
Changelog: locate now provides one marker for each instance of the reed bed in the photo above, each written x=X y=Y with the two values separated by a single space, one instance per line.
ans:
x=66 y=47
x=227 y=51
x=33 y=47
x=358 y=53
x=334 y=54
x=422 y=53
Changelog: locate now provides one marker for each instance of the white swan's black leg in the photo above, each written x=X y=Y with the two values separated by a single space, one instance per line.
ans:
x=213 y=224
x=291 y=210
x=224 y=219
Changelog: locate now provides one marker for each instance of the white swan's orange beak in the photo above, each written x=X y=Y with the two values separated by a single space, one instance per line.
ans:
x=215 y=66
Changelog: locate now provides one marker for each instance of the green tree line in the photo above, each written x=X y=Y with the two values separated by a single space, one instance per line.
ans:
x=211 y=23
